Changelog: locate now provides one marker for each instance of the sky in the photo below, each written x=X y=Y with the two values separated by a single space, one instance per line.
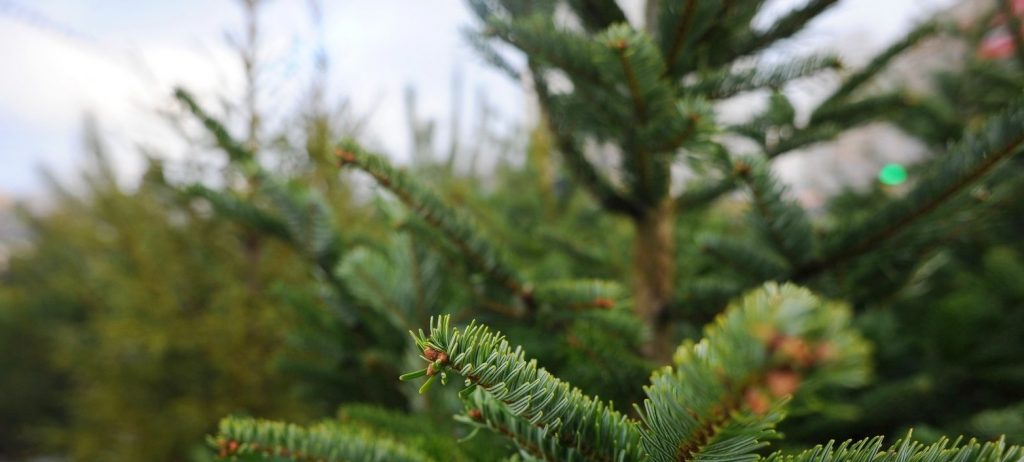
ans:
x=119 y=61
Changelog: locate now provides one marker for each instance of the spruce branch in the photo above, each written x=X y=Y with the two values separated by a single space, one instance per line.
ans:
x=804 y=137
x=239 y=210
x=462 y=232
x=784 y=224
x=853 y=113
x=488 y=362
x=654 y=111
x=826 y=127
x=967 y=162
x=679 y=32
x=643 y=172
x=308 y=218
x=683 y=27
x=872 y=449
x=236 y=151
x=490 y=55
x=877 y=64
x=576 y=162
x=569 y=51
x=785 y=27
x=705 y=296
x=327 y=441
x=533 y=441
x=704 y=192
x=719 y=401
x=748 y=258
x=726 y=83
x=598 y=15
x=574 y=295
x=723 y=396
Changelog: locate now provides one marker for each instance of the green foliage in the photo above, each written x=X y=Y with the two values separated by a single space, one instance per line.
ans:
x=720 y=400
x=462 y=232
x=724 y=394
x=581 y=425
x=156 y=376
x=251 y=439
x=282 y=289
x=967 y=162
x=906 y=449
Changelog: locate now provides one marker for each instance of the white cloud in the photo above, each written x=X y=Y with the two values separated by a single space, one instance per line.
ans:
x=122 y=59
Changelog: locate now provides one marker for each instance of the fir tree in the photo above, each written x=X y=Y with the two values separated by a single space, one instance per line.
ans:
x=604 y=286
x=642 y=99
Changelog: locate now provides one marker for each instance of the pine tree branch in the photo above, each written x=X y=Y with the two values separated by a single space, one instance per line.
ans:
x=577 y=164
x=785 y=27
x=785 y=224
x=679 y=34
x=538 y=38
x=644 y=168
x=328 y=442
x=639 y=105
x=758 y=262
x=724 y=395
x=655 y=117
x=483 y=46
x=236 y=152
x=879 y=63
x=456 y=228
x=827 y=126
x=804 y=137
x=966 y=163
x=530 y=393
x=574 y=295
x=241 y=211
x=537 y=442
x=704 y=193
x=907 y=450
x=726 y=83
x=853 y=113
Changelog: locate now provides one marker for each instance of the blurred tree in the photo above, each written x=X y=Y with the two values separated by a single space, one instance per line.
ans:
x=152 y=325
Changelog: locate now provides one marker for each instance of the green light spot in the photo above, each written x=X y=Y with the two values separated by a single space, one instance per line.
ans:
x=892 y=174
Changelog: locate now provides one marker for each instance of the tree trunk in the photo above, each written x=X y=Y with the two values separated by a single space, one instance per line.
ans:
x=654 y=272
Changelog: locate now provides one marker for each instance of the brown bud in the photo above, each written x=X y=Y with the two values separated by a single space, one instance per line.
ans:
x=475 y=414
x=797 y=350
x=604 y=303
x=782 y=382
x=345 y=156
x=824 y=351
x=756 y=400
x=430 y=354
x=619 y=44
x=442 y=358
x=741 y=168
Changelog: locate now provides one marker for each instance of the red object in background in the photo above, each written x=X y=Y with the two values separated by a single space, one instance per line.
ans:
x=998 y=44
